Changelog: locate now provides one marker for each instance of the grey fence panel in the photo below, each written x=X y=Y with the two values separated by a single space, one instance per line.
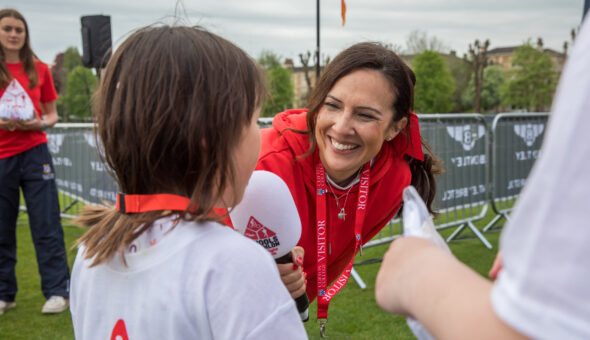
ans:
x=459 y=140
x=265 y=122
x=517 y=140
x=81 y=176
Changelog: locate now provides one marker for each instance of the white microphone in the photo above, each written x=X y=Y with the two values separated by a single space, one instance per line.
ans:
x=267 y=214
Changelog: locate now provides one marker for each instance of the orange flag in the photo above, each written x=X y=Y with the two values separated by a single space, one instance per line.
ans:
x=343 y=6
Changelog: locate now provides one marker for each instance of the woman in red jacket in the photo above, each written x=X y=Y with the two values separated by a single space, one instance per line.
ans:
x=346 y=160
x=27 y=91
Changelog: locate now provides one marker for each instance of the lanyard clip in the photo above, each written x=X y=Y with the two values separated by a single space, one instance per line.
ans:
x=322 y=323
x=359 y=244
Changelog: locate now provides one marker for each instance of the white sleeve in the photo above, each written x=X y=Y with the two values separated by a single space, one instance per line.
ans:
x=257 y=305
x=543 y=290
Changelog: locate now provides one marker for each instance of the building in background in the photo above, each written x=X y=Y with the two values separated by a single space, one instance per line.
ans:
x=503 y=56
x=300 y=76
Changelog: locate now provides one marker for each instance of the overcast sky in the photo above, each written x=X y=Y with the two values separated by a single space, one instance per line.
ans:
x=288 y=27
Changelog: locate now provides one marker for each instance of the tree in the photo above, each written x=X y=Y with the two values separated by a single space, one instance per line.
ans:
x=64 y=64
x=304 y=58
x=532 y=80
x=478 y=61
x=309 y=71
x=72 y=59
x=491 y=92
x=419 y=41
x=397 y=48
x=434 y=85
x=461 y=73
x=279 y=83
x=81 y=84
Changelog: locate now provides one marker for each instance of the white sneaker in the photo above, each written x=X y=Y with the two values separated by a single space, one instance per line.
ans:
x=5 y=305
x=55 y=304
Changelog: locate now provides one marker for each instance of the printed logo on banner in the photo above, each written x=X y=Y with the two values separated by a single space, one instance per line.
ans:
x=54 y=142
x=263 y=235
x=529 y=132
x=91 y=140
x=467 y=135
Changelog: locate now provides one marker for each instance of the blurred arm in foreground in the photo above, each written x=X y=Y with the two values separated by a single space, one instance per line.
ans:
x=542 y=290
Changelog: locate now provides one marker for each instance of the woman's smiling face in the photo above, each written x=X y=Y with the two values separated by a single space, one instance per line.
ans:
x=354 y=121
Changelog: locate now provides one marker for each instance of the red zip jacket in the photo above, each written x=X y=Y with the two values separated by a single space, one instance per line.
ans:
x=390 y=174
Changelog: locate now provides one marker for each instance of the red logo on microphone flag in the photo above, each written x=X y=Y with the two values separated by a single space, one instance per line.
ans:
x=266 y=237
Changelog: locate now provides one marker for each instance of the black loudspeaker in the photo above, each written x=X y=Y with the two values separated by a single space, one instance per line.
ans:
x=96 y=40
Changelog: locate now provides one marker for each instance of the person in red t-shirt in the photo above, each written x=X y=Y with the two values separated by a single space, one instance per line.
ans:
x=26 y=93
x=349 y=155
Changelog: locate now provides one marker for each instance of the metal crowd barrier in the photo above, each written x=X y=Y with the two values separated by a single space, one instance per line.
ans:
x=265 y=122
x=459 y=140
x=81 y=176
x=516 y=141
x=464 y=142
x=482 y=166
x=473 y=178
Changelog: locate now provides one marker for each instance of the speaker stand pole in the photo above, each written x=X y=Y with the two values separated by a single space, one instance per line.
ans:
x=97 y=69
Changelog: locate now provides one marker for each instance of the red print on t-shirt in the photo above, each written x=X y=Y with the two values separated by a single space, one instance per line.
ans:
x=120 y=331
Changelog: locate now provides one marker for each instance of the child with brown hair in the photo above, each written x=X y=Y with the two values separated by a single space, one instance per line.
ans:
x=177 y=113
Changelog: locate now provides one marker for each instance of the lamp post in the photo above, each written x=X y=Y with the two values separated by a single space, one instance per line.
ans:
x=317 y=39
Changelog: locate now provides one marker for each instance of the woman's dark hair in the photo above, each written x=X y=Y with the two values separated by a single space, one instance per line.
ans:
x=26 y=54
x=373 y=56
x=170 y=110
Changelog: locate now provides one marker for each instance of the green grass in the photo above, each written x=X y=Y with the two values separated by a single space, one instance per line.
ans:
x=68 y=203
x=26 y=321
x=353 y=313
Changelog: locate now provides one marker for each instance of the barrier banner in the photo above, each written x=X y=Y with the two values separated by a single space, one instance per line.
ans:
x=461 y=144
x=79 y=170
x=516 y=146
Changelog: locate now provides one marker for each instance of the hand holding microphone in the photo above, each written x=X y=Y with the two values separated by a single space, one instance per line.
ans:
x=267 y=214
x=291 y=271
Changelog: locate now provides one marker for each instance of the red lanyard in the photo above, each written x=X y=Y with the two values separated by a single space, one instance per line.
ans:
x=326 y=294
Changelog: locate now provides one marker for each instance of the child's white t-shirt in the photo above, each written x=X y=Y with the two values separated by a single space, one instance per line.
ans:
x=543 y=290
x=194 y=281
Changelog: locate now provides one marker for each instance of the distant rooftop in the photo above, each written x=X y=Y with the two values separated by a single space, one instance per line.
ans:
x=510 y=50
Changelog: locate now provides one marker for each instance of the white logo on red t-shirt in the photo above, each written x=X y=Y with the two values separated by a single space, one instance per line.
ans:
x=15 y=103
x=261 y=234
